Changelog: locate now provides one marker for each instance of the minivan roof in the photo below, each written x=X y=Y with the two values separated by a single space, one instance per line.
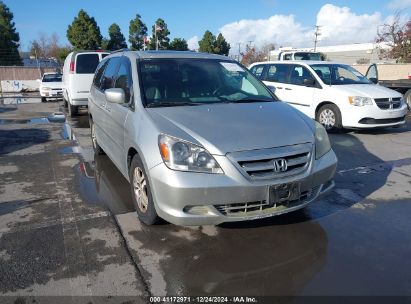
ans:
x=175 y=54
x=304 y=62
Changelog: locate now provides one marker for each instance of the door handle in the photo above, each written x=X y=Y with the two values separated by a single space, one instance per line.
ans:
x=288 y=89
x=280 y=88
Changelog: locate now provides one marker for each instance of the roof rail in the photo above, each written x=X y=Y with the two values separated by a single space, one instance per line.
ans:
x=120 y=50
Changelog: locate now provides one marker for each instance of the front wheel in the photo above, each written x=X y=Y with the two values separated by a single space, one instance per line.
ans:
x=330 y=117
x=43 y=99
x=141 y=193
x=96 y=147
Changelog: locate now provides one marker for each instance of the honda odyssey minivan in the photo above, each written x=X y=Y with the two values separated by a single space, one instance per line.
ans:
x=202 y=141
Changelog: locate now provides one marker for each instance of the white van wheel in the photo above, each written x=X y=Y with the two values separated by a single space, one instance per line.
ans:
x=330 y=117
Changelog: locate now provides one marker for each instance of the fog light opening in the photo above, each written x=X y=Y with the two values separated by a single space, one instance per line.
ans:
x=196 y=210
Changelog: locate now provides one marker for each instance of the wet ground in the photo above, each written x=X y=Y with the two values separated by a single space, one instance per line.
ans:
x=67 y=225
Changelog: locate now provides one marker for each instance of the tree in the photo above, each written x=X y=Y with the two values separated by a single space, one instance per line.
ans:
x=206 y=45
x=137 y=32
x=178 y=44
x=252 y=54
x=160 y=34
x=397 y=35
x=221 y=46
x=83 y=33
x=117 y=40
x=9 y=38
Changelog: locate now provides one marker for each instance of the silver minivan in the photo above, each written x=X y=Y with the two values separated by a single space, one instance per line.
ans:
x=202 y=141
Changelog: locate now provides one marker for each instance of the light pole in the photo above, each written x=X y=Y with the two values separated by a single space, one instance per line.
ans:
x=316 y=33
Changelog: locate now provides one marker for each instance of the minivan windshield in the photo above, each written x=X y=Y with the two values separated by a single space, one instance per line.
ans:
x=339 y=74
x=51 y=78
x=191 y=81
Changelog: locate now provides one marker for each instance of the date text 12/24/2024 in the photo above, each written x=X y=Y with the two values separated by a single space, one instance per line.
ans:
x=202 y=299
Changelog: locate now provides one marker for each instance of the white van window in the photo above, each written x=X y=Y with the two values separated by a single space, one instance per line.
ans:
x=257 y=70
x=277 y=73
x=86 y=63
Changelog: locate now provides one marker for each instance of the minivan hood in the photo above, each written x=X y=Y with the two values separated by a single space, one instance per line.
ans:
x=53 y=85
x=224 y=128
x=367 y=90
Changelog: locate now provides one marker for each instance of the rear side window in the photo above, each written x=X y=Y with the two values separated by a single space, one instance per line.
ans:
x=277 y=73
x=86 y=63
x=257 y=70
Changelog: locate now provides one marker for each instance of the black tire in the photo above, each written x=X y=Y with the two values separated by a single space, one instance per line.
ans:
x=146 y=215
x=96 y=147
x=65 y=102
x=43 y=99
x=407 y=99
x=333 y=113
x=72 y=110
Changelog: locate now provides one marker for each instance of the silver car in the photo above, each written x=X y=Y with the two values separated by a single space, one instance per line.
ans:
x=202 y=141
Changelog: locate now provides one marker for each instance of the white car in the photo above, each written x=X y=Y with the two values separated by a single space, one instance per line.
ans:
x=78 y=73
x=336 y=95
x=51 y=86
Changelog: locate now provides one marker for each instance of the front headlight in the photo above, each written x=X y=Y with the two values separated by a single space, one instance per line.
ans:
x=181 y=155
x=359 y=101
x=322 y=142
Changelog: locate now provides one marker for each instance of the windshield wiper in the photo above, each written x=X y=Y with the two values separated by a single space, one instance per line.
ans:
x=170 y=104
x=248 y=100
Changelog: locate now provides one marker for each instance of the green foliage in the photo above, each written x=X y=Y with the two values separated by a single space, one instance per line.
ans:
x=117 y=40
x=178 y=44
x=162 y=35
x=9 y=38
x=209 y=44
x=137 y=32
x=83 y=33
x=62 y=53
x=221 y=46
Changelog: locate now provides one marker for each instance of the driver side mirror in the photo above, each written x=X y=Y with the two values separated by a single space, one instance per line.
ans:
x=115 y=95
x=309 y=82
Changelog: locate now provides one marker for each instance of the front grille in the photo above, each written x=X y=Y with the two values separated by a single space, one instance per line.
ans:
x=261 y=164
x=56 y=89
x=262 y=207
x=388 y=103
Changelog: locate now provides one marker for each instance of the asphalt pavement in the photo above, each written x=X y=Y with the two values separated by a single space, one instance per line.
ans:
x=68 y=226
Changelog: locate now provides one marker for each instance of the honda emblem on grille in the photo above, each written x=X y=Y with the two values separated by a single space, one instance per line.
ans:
x=280 y=165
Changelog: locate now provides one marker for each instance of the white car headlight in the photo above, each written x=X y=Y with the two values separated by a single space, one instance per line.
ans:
x=359 y=101
x=322 y=142
x=181 y=155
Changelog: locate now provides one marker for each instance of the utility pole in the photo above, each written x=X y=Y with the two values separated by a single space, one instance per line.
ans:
x=316 y=33
x=239 y=50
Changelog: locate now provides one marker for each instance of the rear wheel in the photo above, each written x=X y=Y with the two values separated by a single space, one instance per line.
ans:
x=330 y=117
x=72 y=110
x=96 y=147
x=141 y=193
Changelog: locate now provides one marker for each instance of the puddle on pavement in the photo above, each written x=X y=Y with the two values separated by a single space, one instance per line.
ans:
x=99 y=182
x=57 y=117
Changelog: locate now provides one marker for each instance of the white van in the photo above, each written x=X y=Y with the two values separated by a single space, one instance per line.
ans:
x=78 y=73
x=336 y=95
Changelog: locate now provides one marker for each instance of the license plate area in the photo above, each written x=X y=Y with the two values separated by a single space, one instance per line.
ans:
x=284 y=193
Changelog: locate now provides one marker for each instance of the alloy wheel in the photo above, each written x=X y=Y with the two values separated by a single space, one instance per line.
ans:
x=140 y=189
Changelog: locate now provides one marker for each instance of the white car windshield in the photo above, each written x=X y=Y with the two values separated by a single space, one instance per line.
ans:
x=188 y=81
x=339 y=74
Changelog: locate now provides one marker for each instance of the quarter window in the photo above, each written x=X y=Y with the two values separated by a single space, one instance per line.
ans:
x=99 y=73
x=110 y=72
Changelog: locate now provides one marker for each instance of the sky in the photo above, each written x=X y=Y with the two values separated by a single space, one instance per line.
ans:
x=285 y=23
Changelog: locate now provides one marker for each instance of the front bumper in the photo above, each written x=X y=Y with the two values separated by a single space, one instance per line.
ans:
x=52 y=93
x=374 y=117
x=174 y=192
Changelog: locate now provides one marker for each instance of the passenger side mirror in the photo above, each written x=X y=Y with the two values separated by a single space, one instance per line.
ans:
x=271 y=88
x=309 y=82
x=115 y=95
